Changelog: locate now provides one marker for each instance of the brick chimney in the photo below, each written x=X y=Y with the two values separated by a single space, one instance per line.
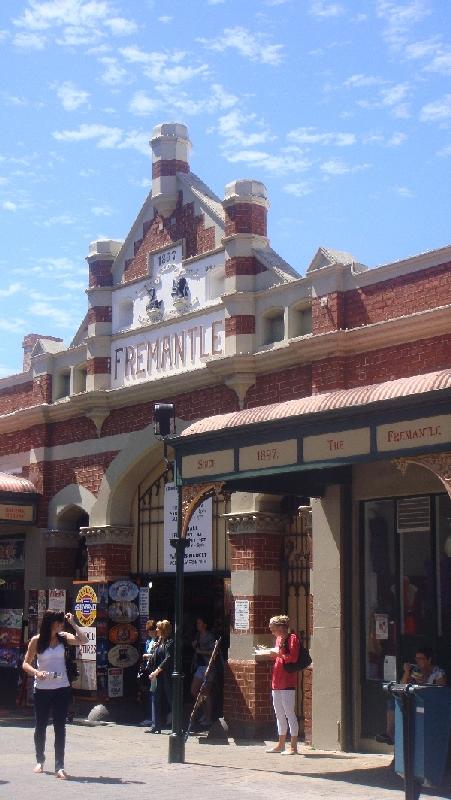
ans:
x=170 y=154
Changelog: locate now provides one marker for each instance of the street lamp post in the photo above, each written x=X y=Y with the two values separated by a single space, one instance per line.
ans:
x=164 y=426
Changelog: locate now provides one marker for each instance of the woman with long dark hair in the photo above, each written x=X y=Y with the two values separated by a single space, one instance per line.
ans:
x=162 y=674
x=45 y=661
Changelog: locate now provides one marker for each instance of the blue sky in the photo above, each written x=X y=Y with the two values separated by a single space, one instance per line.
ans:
x=341 y=107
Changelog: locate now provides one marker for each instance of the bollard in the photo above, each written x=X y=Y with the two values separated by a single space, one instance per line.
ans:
x=406 y=693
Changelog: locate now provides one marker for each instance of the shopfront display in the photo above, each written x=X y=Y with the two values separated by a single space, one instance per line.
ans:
x=406 y=585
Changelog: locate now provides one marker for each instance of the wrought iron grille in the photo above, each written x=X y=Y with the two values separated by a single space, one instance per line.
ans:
x=296 y=568
x=149 y=543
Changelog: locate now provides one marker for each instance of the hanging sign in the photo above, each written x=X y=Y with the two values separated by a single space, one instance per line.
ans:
x=123 y=612
x=115 y=682
x=198 y=554
x=123 y=590
x=86 y=606
x=241 y=615
x=123 y=655
x=88 y=651
x=57 y=600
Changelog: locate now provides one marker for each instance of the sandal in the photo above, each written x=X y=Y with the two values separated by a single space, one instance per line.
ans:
x=61 y=774
x=38 y=768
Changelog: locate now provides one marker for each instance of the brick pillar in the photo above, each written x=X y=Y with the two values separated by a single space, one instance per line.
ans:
x=102 y=254
x=170 y=154
x=255 y=547
x=109 y=551
x=60 y=555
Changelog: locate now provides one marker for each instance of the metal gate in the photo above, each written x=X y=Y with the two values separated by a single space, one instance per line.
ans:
x=296 y=568
x=148 y=555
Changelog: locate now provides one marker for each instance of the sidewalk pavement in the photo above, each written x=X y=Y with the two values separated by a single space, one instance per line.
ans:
x=119 y=761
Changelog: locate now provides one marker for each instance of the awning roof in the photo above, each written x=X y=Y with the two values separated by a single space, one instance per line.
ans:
x=15 y=485
x=314 y=404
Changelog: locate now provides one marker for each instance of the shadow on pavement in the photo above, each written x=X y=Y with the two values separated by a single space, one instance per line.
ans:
x=380 y=777
x=103 y=780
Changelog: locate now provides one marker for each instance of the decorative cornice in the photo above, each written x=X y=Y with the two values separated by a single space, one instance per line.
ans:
x=57 y=538
x=108 y=534
x=256 y=522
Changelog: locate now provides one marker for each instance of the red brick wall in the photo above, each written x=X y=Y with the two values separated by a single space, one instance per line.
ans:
x=247 y=693
x=168 y=167
x=182 y=224
x=100 y=365
x=275 y=387
x=255 y=552
x=399 y=361
x=99 y=314
x=328 y=374
x=406 y=294
x=245 y=218
x=15 y=397
x=100 y=273
x=243 y=265
x=108 y=561
x=243 y=323
x=327 y=313
x=261 y=609
x=60 y=562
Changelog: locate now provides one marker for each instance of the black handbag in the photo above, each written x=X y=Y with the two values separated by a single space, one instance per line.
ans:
x=303 y=661
x=71 y=663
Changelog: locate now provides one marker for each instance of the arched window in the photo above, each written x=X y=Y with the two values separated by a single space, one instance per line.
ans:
x=273 y=326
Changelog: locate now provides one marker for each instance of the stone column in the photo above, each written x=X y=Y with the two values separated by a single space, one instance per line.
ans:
x=109 y=551
x=100 y=258
x=327 y=637
x=255 y=559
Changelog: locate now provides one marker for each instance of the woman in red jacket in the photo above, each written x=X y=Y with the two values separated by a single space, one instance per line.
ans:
x=284 y=683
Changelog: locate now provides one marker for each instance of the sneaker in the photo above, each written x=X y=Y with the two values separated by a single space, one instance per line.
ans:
x=384 y=738
x=145 y=723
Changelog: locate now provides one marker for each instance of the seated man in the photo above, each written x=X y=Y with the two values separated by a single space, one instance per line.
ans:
x=423 y=673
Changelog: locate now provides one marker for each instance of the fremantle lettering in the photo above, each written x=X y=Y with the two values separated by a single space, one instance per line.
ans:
x=177 y=350
x=410 y=434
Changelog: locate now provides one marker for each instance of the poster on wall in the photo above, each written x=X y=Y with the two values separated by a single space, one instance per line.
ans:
x=12 y=555
x=86 y=606
x=10 y=636
x=57 y=600
x=198 y=555
x=241 y=615
x=88 y=651
x=115 y=682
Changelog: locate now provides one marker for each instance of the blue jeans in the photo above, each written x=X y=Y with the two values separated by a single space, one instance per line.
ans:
x=55 y=701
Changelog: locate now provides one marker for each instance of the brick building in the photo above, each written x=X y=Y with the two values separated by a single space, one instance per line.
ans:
x=320 y=402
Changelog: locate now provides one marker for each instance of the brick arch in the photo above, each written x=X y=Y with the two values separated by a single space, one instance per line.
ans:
x=142 y=453
x=72 y=495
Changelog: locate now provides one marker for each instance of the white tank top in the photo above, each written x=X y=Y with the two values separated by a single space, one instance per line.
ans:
x=52 y=661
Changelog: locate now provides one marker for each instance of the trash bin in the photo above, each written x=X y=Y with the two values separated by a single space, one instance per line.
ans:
x=432 y=723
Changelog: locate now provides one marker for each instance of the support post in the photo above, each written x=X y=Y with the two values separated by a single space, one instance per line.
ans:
x=177 y=737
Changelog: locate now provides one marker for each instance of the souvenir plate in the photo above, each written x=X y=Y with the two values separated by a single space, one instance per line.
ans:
x=123 y=655
x=123 y=590
x=123 y=633
x=123 y=612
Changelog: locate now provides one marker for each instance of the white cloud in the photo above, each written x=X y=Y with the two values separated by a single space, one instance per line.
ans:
x=72 y=22
x=438 y=110
x=323 y=8
x=164 y=66
x=280 y=164
x=12 y=324
x=179 y=101
x=113 y=74
x=311 y=136
x=445 y=152
x=403 y=191
x=399 y=18
x=165 y=20
x=335 y=166
x=394 y=94
x=57 y=314
x=441 y=63
x=143 y=105
x=247 y=43
x=300 y=189
x=106 y=136
x=415 y=50
x=120 y=26
x=102 y=211
x=215 y=2
x=359 y=80
x=8 y=205
x=231 y=126
x=71 y=97
x=29 y=41
x=13 y=288
x=60 y=219
x=393 y=98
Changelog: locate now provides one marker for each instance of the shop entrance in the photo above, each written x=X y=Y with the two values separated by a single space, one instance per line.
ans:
x=406 y=591
x=11 y=634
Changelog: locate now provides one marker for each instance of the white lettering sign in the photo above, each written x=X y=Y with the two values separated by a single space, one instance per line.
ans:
x=88 y=651
x=115 y=682
x=198 y=555
x=57 y=599
x=241 y=615
x=167 y=351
